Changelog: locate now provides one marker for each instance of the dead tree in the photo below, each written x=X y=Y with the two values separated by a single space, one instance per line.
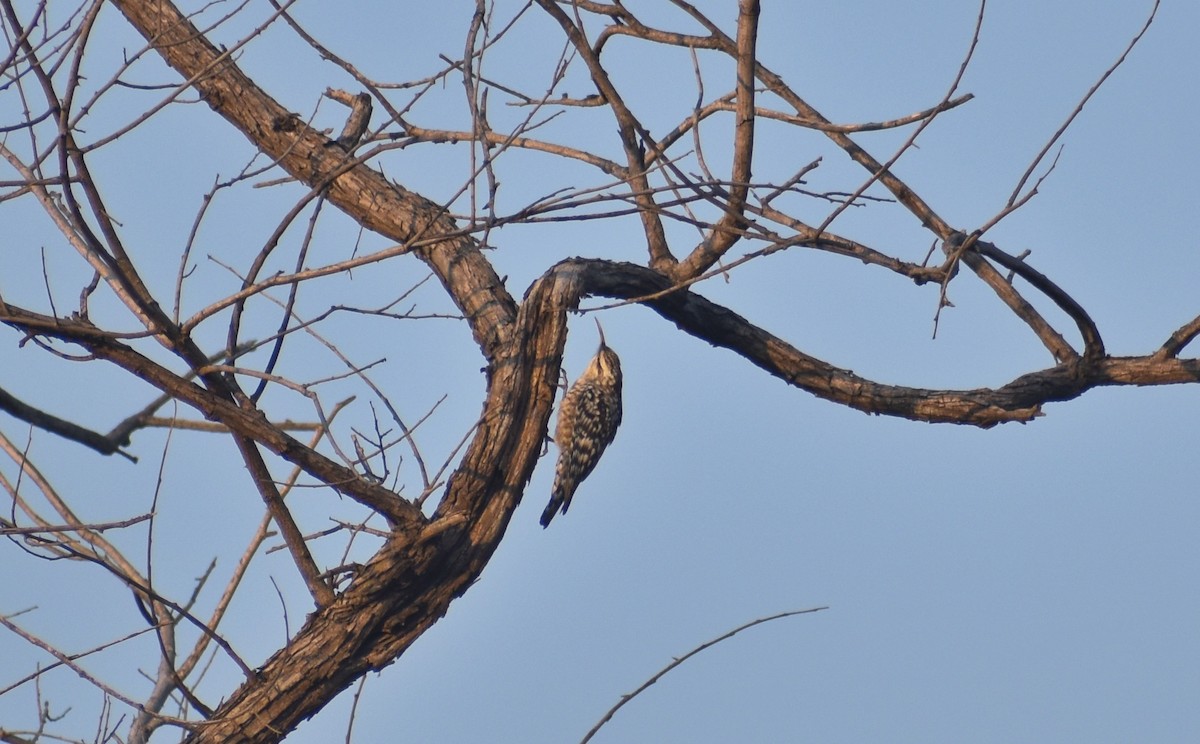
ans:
x=198 y=355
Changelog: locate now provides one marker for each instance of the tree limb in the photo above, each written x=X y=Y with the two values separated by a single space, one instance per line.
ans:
x=105 y=445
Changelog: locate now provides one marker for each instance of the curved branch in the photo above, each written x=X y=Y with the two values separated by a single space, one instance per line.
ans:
x=1020 y=400
x=1093 y=345
x=1054 y=342
x=409 y=584
x=679 y=660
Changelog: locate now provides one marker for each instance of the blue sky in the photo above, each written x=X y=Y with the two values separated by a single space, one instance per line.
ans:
x=1026 y=583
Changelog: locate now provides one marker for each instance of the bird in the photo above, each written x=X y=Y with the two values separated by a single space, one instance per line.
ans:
x=588 y=418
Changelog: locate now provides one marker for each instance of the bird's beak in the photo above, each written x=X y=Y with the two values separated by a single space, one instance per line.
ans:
x=601 y=329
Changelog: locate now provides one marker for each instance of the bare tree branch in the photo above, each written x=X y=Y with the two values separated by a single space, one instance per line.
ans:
x=678 y=661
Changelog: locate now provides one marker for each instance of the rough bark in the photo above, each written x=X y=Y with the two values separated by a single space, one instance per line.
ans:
x=427 y=562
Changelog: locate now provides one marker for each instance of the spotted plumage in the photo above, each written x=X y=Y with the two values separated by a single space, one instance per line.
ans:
x=588 y=418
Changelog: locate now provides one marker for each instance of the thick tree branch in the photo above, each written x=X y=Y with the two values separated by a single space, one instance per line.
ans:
x=411 y=581
x=727 y=231
x=1019 y=400
x=307 y=155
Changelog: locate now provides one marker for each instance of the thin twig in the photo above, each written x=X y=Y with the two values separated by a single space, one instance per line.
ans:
x=1079 y=107
x=91 y=527
x=675 y=663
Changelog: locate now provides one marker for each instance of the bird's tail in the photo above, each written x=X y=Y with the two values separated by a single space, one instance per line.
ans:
x=559 y=500
x=551 y=509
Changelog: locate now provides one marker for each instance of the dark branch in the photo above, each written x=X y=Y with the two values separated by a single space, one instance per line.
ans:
x=1093 y=345
x=1019 y=400
x=105 y=445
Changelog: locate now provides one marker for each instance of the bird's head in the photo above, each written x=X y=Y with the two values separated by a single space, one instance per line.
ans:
x=606 y=365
